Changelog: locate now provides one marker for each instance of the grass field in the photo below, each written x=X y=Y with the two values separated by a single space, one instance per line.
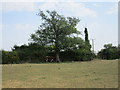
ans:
x=91 y=74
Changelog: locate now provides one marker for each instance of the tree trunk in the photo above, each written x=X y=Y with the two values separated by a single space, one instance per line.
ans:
x=57 y=56
x=57 y=46
x=57 y=52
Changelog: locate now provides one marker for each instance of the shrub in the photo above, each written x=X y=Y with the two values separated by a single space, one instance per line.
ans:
x=76 y=55
x=109 y=52
x=10 y=57
x=31 y=53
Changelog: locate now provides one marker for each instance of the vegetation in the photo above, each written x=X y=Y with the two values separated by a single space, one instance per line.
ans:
x=57 y=36
x=55 y=30
x=0 y=57
x=10 y=57
x=93 y=74
x=109 y=52
x=31 y=53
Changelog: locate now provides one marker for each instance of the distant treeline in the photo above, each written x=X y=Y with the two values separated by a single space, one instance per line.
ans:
x=109 y=52
x=34 y=53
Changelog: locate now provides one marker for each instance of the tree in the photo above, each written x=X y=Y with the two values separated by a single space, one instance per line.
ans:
x=0 y=56
x=31 y=53
x=86 y=35
x=87 y=46
x=54 y=30
x=72 y=43
x=86 y=39
x=9 y=57
x=118 y=51
x=107 y=46
x=109 y=52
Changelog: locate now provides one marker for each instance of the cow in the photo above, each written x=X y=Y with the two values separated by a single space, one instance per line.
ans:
x=50 y=58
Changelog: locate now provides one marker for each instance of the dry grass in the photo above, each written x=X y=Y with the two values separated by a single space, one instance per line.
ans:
x=93 y=74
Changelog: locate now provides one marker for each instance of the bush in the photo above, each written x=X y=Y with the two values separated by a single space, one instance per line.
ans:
x=35 y=53
x=76 y=55
x=32 y=53
x=67 y=55
x=83 y=55
x=0 y=57
x=109 y=52
x=9 y=57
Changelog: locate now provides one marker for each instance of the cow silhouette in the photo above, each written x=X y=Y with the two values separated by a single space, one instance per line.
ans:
x=50 y=58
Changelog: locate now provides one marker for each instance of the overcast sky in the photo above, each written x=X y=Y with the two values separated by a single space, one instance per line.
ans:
x=19 y=20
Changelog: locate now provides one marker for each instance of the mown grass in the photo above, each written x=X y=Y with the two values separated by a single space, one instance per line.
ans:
x=92 y=74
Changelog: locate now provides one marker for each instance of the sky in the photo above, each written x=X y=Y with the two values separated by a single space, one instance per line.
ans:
x=19 y=20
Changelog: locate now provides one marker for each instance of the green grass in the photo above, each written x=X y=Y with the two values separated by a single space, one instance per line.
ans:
x=91 y=74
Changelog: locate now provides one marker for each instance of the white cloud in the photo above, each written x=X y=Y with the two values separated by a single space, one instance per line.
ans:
x=97 y=5
x=18 y=6
x=74 y=8
x=113 y=9
x=58 y=0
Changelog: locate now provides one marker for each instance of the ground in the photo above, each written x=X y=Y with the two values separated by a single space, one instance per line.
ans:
x=90 y=74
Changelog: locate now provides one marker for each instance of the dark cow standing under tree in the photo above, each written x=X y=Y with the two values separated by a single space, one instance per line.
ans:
x=50 y=58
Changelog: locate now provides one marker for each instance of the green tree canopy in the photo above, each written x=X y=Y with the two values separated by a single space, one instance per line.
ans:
x=54 y=30
x=107 y=46
x=109 y=52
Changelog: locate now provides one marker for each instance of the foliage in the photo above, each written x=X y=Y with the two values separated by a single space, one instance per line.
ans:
x=87 y=43
x=0 y=57
x=54 y=30
x=10 y=57
x=86 y=35
x=109 y=52
x=72 y=43
x=56 y=36
x=31 y=53
x=83 y=55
